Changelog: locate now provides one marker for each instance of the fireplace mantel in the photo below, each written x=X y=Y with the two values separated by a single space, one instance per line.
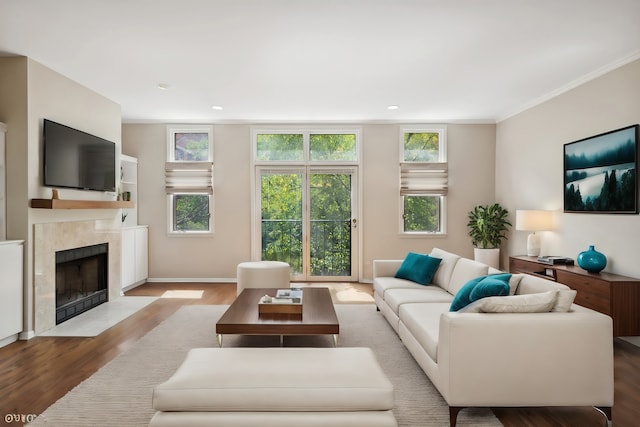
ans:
x=79 y=204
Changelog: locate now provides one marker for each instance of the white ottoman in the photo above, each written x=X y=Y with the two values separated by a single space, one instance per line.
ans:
x=263 y=274
x=279 y=387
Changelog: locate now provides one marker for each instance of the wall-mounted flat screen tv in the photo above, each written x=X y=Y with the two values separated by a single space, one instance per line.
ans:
x=76 y=159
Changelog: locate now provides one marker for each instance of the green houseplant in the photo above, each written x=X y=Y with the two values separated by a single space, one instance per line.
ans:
x=487 y=227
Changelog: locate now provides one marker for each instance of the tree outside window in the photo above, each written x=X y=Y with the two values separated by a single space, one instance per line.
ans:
x=191 y=212
x=191 y=146
x=421 y=214
x=421 y=147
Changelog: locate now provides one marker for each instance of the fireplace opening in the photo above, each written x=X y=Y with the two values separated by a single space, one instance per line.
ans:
x=81 y=280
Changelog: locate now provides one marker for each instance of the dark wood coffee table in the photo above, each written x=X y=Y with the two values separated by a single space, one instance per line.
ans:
x=318 y=316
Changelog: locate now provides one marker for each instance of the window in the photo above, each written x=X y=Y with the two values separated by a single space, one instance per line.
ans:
x=332 y=147
x=279 y=147
x=191 y=212
x=189 y=179
x=423 y=180
x=302 y=147
x=190 y=144
x=305 y=202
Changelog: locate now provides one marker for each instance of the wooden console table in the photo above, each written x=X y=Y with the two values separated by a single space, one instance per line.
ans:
x=611 y=294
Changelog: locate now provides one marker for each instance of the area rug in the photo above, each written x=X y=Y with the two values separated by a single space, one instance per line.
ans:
x=97 y=320
x=119 y=394
x=341 y=293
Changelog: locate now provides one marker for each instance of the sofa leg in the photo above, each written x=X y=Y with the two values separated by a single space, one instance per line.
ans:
x=453 y=415
x=606 y=413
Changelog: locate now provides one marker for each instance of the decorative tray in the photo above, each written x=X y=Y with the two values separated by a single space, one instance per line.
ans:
x=286 y=301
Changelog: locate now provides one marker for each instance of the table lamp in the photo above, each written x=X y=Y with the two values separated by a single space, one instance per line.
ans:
x=533 y=221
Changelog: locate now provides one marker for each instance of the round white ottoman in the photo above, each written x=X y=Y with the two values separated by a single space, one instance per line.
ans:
x=263 y=274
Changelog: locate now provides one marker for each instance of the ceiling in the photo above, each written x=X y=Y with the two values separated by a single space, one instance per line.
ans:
x=287 y=61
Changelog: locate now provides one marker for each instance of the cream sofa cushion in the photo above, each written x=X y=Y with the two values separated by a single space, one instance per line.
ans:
x=382 y=284
x=424 y=324
x=565 y=300
x=448 y=263
x=529 y=303
x=465 y=270
x=533 y=285
x=427 y=294
x=514 y=282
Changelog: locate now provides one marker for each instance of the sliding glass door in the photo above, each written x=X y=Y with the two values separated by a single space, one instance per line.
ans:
x=307 y=218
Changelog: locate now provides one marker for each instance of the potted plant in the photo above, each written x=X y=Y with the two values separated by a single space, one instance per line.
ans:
x=487 y=227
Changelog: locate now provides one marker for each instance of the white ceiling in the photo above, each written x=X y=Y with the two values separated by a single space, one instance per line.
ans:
x=324 y=60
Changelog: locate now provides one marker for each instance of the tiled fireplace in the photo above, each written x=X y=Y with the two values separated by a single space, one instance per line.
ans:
x=50 y=238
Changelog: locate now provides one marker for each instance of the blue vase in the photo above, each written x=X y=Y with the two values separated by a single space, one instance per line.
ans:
x=592 y=260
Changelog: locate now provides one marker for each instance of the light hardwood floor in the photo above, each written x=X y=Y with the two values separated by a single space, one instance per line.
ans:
x=36 y=373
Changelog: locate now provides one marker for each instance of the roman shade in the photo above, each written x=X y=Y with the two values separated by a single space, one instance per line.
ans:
x=423 y=179
x=188 y=177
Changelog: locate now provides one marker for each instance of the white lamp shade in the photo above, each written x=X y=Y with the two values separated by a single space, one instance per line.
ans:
x=534 y=220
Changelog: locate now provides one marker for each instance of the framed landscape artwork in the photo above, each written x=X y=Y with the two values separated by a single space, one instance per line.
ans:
x=600 y=173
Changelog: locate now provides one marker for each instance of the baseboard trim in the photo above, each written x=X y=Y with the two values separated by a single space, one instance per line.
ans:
x=132 y=286
x=8 y=340
x=191 y=280
x=204 y=280
x=26 y=335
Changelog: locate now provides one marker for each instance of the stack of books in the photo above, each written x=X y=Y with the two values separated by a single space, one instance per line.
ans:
x=286 y=301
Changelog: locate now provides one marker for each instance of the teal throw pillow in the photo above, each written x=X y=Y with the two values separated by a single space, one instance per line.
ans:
x=418 y=268
x=494 y=285
x=463 y=297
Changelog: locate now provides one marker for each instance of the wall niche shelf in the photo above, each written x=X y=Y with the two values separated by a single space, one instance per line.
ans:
x=79 y=204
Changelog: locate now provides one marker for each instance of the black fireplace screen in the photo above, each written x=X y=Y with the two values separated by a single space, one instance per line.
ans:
x=81 y=280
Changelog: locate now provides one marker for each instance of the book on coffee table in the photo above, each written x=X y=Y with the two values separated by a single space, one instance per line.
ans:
x=295 y=295
x=286 y=301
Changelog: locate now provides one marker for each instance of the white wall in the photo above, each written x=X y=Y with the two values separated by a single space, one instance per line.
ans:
x=471 y=152
x=529 y=150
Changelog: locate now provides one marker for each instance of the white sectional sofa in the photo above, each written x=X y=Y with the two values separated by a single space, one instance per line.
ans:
x=500 y=359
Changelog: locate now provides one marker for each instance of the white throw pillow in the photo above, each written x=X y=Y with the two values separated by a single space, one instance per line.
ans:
x=514 y=282
x=564 y=301
x=527 y=303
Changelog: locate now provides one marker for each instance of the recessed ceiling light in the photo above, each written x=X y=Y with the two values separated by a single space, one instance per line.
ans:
x=216 y=107
x=393 y=107
x=163 y=86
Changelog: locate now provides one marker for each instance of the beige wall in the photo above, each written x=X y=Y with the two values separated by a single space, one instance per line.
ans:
x=13 y=112
x=529 y=167
x=55 y=97
x=34 y=92
x=202 y=257
x=471 y=153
